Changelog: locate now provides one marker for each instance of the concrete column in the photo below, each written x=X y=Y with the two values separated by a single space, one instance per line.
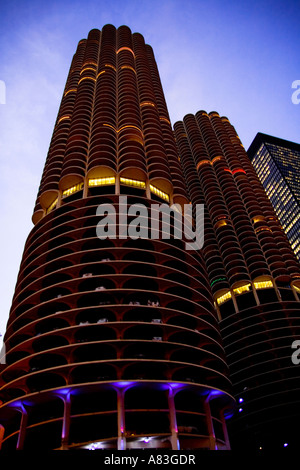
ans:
x=276 y=290
x=148 y=191
x=85 y=188
x=234 y=302
x=225 y=432
x=255 y=294
x=117 y=184
x=66 y=422
x=121 y=421
x=173 y=421
x=210 y=426
x=22 y=430
x=296 y=295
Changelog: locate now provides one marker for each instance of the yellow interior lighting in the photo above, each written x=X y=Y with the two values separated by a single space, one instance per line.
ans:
x=90 y=62
x=147 y=103
x=110 y=66
x=203 y=162
x=72 y=190
x=128 y=67
x=159 y=193
x=87 y=68
x=126 y=49
x=52 y=206
x=134 y=183
x=241 y=289
x=216 y=159
x=221 y=223
x=258 y=218
x=223 y=298
x=101 y=73
x=63 y=118
x=164 y=119
x=102 y=181
x=263 y=284
x=86 y=78
x=72 y=90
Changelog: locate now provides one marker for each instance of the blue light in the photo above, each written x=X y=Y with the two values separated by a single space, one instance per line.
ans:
x=241 y=400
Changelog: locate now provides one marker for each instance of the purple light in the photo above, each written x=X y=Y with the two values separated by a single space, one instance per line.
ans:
x=123 y=384
x=175 y=385
x=241 y=400
x=64 y=391
x=215 y=393
x=240 y=410
x=285 y=444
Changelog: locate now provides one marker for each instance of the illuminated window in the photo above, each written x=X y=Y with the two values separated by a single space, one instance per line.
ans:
x=90 y=62
x=216 y=159
x=203 y=162
x=110 y=66
x=164 y=119
x=134 y=183
x=72 y=190
x=101 y=73
x=147 y=103
x=128 y=67
x=223 y=298
x=72 y=90
x=63 y=118
x=86 y=78
x=241 y=289
x=263 y=284
x=87 y=68
x=102 y=181
x=130 y=127
x=258 y=218
x=220 y=223
x=263 y=229
x=52 y=206
x=125 y=49
x=109 y=125
x=159 y=193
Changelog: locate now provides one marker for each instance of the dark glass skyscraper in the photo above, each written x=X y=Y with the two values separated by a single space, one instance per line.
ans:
x=277 y=163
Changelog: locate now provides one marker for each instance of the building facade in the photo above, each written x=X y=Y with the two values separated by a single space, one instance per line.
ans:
x=255 y=279
x=126 y=339
x=113 y=342
x=277 y=163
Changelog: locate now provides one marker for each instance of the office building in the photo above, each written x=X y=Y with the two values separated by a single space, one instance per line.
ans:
x=277 y=163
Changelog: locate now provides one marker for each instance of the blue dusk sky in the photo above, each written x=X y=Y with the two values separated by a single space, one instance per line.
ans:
x=238 y=58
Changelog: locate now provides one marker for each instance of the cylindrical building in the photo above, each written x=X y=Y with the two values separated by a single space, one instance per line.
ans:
x=113 y=342
x=254 y=276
